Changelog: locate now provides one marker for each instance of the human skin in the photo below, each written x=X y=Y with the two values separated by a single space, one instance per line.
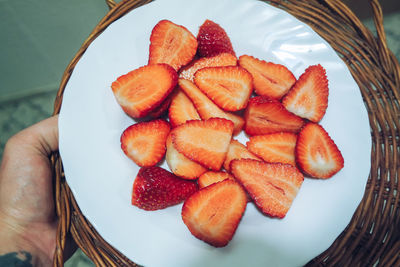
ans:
x=28 y=222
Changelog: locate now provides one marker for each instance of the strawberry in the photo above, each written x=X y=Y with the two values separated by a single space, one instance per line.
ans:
x=272 y=186
x=205 y=142
x=237 y=150
x=181 y=109
x=223 y=59
x=155 y=188
x=213 y=40
x=144 y=142
x=162 y=108
x=206 y=108
x=144 y=89
x=181 y=165
x=308 y=98
x=275 y=147
x=213 y=213
x=264 y=116
x=316 y=153
x=269 y=79
x=171 y=44
x=212 y=177
x=229 y=87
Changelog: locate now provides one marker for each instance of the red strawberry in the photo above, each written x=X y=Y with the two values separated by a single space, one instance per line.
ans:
x=155 y=188
x=181 y=109
x=316 y=153
x=212 y=177
x=181 y=165
x=162 y=108
x=144 y=142
x=269 y=79
x=213 y=40
x=229 y=87
x=275 y=147
x=205 y=142
x=264 y=116
x=206 y=108
x=308 y=98
x=224 y=59
x=237 y=150
x=213 y=213
x=272 y=186
x=171 y=44
x=144 y=89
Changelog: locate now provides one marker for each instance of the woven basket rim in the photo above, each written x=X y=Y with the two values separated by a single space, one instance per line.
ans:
x=376 y=71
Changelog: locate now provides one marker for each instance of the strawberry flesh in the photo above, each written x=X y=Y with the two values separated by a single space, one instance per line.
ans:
x=155 y=188
x=264 y=116
x=223 y=59
x=144 y=142
x=208 y=109
x=171 y=44
x=180 y=165
x=213 y=213
x=316 y=153
x=237 y=150
x=308 y=98
x=275 y=147
x=144 y=89
x=181 y=109
x=272 y=186
x=269 y=79
x=162 y=108
x=229 y=87
x=205 y=142
x=212 y=177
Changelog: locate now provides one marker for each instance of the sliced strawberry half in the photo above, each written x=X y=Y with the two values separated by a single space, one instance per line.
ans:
x=171 y=44
x=144 y=89
x=208 y=109
x=181 y=109
x=272 y=186
x=269 y=79
x=212 y=177
x=155 y=188
x=264 y=116
x=275 y=147
x=213 y=40
x=213 y=213
x=205 y=142
x=229 y=87
x=223 y=59
x=162 y=108
x=308 y=98
x=144 y=142
x=237 y=150
x=180 y=165
x=316 y=153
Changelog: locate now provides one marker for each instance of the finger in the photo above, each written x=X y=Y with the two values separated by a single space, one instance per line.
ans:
x=45 y=135
x=25 y=172
x=41 y=137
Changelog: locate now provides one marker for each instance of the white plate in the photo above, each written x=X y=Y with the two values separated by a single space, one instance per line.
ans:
x=101 y=176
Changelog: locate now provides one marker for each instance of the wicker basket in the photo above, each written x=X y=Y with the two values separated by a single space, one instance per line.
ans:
x=373 y=235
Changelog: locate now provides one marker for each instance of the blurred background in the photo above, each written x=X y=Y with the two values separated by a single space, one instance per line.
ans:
x=40 y=37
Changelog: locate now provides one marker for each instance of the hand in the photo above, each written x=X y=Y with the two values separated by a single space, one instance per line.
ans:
x=28 y=222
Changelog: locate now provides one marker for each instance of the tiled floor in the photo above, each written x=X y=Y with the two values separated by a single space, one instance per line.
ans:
x=19 y=113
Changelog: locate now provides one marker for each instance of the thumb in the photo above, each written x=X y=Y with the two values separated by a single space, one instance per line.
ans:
x=40 y=139
x=25 y=169
x=43 y=136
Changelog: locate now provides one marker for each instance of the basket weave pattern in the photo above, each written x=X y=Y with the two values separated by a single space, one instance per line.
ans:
x=373 y=235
